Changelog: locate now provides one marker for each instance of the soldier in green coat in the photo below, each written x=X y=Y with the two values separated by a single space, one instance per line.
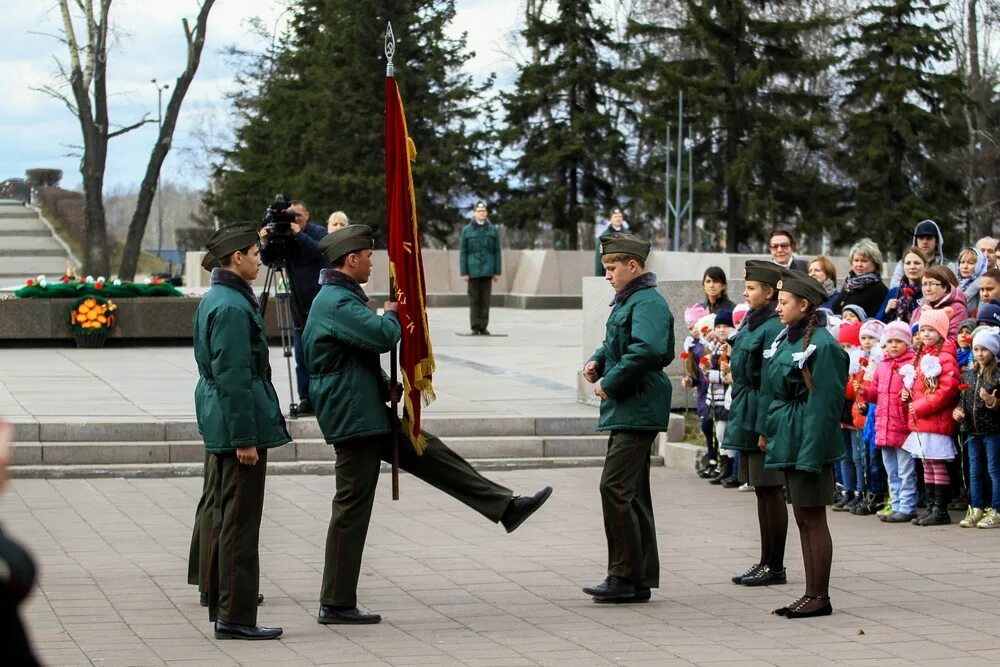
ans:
x=745 y=430
x=239 y=420
x=806 y=376
x=343 y=341
x=479 y=264
x=627 y=372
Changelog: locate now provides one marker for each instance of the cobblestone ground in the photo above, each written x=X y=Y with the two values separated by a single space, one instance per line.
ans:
x=455 y=589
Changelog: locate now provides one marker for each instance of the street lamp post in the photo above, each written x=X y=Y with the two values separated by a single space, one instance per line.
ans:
x=159 y=195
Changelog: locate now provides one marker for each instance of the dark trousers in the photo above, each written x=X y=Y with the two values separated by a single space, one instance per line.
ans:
x=480 y=292
x=301 y=372
x=200 y=554
x=628 y=508
x=357 y=471
x=234 y=577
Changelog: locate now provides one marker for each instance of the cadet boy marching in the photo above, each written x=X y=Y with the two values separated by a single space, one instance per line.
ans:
x=239 y=420
x=480 y=265
x=627 y=371
x=343 y=341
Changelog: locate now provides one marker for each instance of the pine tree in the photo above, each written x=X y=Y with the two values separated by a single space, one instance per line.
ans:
x=558 y=123
x=897 y=129
x=312 y=114
x=749 y=76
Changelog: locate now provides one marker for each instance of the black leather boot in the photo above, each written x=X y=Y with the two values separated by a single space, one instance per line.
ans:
x=939 y=515
x=725 y=471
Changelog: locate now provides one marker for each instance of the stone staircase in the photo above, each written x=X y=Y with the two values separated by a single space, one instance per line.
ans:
x=92 y=448
x=27 y=246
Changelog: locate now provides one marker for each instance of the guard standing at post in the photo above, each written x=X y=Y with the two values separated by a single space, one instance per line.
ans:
x=343 y=340
x=480 y=266
x=627 y=372
x=239 y=420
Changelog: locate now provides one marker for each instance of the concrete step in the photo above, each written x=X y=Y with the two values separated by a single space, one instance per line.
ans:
x=32 y=266
x=280 y=468
x=192 y=451
x=13 y=246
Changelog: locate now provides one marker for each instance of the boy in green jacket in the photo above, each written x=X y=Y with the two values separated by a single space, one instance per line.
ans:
x=239 y=420
x=343 y=341
x=627 y=371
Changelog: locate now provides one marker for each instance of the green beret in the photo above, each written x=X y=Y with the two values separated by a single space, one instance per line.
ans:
x=227 y=240
x=209 y=262
x=346 y=240
x=801 y=285
x=624 y=243
x=763 y=271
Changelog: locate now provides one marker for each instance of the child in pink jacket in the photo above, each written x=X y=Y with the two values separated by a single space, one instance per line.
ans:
x=892 y=420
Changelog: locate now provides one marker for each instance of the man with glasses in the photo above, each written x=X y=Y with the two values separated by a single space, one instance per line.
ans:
x=782 y=247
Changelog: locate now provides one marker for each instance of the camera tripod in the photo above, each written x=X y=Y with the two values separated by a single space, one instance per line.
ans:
x=285 y=322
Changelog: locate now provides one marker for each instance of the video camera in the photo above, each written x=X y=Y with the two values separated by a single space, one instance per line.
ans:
x=278 y=220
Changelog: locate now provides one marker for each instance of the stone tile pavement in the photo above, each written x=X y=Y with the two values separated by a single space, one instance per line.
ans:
x=456 y=590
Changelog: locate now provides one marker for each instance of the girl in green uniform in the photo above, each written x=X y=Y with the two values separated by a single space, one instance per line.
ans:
x=806 y=376
x=746 y=421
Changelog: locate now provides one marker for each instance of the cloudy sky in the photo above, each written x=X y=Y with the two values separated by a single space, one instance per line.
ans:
x=37 y=131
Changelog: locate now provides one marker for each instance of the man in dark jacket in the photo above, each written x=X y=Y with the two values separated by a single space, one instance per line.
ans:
x=480 y=266
x=627 y=372
x=343 y=341
x=304 y=262
x=782 y=247
x=239 y=419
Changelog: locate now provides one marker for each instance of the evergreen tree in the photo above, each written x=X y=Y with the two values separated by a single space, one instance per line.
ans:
x=312 y=114
x=897 y=130
x=559 y=125
x=749 y=76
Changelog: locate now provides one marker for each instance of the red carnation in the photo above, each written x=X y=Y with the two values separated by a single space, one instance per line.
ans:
x=908 y=291
x=963 y=387
x=685 y=355
x=863 y=362
x=30 y=282
x=98 y=285
x=706 y=361
x=704 y=330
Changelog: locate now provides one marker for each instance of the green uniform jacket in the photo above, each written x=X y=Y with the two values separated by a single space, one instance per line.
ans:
x=341 y=343
x=747 y=412
x=234 y=399
x=638 y=344
x=803 y=426
x=479 y=252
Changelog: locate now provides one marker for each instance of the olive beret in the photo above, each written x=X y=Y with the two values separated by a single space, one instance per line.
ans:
x=801 y=285
x=346 y=240
x=227 y=240
x=624 y=243
x=763 y=271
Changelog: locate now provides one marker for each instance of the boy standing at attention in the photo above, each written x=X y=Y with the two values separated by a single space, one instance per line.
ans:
x=627 y=372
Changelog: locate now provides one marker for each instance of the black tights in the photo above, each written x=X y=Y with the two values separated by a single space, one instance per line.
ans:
x=817 y=553
x=772 y=515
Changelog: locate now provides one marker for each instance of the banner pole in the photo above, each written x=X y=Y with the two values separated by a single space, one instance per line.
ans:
x=390 y=51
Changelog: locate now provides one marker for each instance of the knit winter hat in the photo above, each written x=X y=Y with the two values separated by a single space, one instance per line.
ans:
x=873 y=328
x=989 y=314
x=969 y=324
x=724 y=317
x=704 y=324
x=937 y=319
x=739 y=312
x=898 y=330
x=693 y=314
x=849 y=334
x=988 y=338
x=857 y=310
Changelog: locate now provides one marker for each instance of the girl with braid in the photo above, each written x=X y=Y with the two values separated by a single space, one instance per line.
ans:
x=746 y=421
x=803 y=427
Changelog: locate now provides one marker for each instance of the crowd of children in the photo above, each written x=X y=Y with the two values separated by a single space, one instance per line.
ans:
x=920 y=421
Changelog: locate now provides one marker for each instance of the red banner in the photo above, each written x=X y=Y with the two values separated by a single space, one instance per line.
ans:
x=406 y=266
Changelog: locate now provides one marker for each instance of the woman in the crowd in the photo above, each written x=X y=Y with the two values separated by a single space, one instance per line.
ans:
x=825 y=273
x=902 y=300
x=971 y=267
x=940 y=288
x=713 y=282
x=863 y=285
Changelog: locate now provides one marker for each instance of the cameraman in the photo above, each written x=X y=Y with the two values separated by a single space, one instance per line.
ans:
x=304 y=261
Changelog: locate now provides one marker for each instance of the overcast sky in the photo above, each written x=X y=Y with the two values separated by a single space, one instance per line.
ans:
x=37 y=131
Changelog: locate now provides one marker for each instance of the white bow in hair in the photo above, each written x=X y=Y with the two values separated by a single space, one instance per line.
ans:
x=930 y=366
x=909 y=373
x=801 y=357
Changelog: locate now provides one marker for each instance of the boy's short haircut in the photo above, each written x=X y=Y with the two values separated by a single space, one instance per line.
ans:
x=623 y=257
x=228 y=259
x=993 y=273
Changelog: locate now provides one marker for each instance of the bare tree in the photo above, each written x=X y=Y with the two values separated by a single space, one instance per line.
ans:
x=86 y=75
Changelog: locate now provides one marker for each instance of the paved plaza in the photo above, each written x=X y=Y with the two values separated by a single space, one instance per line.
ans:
x=455 y=589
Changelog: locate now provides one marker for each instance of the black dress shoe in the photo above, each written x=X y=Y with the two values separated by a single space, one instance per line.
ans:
x=305 y=407
x=765 y=576
x=329 y=615
x=224 y=630
x=641 y=595
x=815 y=606
x=732 y=482
x=521 y=507
x=203 y=599
x=612 y=588
x=754 y=569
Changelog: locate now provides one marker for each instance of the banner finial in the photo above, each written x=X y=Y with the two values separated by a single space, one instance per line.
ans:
x=390 y=50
